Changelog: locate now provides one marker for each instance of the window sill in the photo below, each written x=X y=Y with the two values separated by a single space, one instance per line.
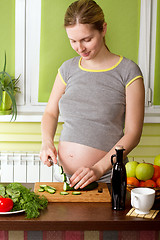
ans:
x=152 y=115
x=25 y=117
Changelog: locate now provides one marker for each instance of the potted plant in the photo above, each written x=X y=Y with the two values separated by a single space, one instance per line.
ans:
x=8 y=90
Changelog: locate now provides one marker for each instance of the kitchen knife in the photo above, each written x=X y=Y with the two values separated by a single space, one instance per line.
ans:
x=52 y=163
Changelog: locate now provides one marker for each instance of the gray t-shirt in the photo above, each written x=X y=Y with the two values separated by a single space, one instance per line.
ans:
x=94 y=102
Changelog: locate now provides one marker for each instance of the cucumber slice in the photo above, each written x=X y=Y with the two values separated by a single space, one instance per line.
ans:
x=41 y=190
x=46 y=188
x=51 y=191
x=64 y=193
x=76 y=193
x=43 y=186
x=50 y=187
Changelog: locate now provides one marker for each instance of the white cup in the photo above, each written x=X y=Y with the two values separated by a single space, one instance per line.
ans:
x=142 y=199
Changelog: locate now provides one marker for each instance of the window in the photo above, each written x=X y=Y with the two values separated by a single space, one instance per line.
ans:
x=30 y=24
x=149 y=57
x=38 y=64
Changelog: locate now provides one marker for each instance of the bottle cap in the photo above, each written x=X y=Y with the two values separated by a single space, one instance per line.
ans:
x=119 y=147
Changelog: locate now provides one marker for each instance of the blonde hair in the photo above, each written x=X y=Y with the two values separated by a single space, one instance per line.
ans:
x=85 y=12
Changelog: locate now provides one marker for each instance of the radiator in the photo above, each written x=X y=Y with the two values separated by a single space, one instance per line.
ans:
x=24 y=167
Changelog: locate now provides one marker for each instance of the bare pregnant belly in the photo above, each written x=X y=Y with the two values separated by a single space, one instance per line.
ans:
x=73 y=156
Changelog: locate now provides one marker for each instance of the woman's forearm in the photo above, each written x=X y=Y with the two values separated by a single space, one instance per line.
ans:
x=128 y=141
x=48 y=127
x=49 y=123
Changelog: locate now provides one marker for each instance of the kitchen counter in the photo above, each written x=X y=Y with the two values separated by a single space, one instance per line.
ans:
x=80 y=217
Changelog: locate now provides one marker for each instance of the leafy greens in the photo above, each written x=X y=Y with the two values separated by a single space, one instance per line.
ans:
x=24 y=199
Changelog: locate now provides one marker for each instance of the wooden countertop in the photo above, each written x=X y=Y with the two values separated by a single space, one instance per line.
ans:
x=80 y=217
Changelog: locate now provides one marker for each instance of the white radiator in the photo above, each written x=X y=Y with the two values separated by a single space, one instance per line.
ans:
x=24 y=167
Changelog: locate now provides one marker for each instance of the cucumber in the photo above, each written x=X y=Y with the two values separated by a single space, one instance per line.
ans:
x=66 y=187
x=64 y=193
x=76 y=193
x=61 y=170
x=90 y=186
x=64 y=178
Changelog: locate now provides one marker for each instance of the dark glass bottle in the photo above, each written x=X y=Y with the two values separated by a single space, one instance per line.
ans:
x=118 y=180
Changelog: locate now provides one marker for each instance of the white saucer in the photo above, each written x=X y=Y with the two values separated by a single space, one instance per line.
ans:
x=4 y=213
x=140 y=212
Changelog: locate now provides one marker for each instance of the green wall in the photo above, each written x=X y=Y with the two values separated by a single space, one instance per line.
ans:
x=122 y=36
x=7 y=35
x=27 y=137
x=156 y=97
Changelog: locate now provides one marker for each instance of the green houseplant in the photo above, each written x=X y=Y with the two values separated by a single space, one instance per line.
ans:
x=8 y=90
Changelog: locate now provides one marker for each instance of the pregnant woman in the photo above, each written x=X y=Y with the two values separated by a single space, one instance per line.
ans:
x=100 y=96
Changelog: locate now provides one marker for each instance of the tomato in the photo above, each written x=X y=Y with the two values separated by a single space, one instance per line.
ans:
x=6 y=204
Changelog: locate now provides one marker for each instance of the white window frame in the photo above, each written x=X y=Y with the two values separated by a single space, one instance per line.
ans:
x=27 y=48
x=27 y=51
x=147 y=45
x=32 y=110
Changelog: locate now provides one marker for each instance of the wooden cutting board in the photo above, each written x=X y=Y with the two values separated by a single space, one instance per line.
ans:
x=86 y=196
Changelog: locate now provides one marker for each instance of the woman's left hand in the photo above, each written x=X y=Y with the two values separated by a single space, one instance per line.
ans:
x=84 y=176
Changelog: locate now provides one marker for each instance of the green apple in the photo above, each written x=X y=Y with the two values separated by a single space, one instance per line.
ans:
x=144 y=171
x=157 y=160
x=131 y=168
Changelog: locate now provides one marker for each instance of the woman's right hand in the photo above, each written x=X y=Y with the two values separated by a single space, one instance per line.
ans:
x=48 y=151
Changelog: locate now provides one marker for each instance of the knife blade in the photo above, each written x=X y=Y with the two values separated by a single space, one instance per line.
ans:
x=52 y=163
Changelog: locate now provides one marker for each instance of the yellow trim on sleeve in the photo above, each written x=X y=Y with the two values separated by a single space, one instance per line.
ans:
x=61 y=77
x=133 y=80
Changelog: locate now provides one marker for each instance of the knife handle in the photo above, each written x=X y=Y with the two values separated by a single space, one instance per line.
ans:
x=50 y=160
